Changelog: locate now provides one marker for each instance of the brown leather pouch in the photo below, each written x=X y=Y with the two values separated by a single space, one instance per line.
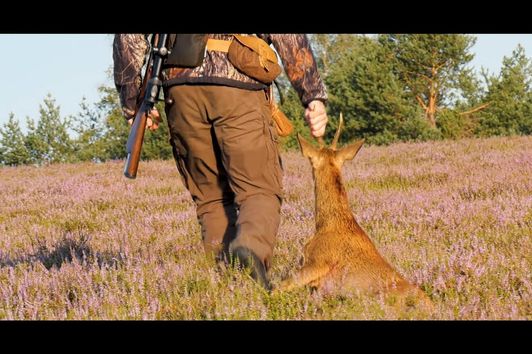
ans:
x=282 y=124
x=254 y=57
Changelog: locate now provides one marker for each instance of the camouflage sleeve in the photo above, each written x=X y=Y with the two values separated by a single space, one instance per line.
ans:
x=300 y=66
x=129 y=54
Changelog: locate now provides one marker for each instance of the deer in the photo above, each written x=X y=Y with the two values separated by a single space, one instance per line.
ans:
x=340 y=255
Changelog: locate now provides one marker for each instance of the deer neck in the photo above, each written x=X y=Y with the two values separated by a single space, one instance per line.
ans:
x=332 y=206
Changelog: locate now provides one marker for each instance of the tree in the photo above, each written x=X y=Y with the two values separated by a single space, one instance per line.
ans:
x=13 y=150
x=510 y=98
x=363 y=85
x=432 y=66
x=49 y=141
x=328 y=50
x=116 y=129
x=88 y=145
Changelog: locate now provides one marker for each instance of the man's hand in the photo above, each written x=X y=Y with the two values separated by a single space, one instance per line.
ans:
x=152 y=122
x=316 y=118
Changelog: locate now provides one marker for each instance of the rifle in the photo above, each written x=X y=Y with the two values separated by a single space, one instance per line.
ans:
x=146 y=101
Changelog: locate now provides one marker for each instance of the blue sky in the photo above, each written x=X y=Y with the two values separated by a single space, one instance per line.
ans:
x=70 y=66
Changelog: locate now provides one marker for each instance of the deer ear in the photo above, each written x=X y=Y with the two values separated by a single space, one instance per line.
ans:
x=349 y=152
x=306 y=148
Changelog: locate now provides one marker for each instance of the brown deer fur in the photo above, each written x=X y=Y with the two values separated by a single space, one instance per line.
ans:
x=340 y=255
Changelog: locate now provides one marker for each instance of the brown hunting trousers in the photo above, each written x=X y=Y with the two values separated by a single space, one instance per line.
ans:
x=226 y=150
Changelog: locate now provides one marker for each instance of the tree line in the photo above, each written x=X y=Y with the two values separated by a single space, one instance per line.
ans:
x=389 y=87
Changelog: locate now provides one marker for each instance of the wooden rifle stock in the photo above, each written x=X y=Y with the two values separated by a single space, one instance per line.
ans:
x=148 y=96
x=134 y=142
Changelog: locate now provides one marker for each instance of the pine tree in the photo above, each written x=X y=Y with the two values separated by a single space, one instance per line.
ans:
x=433 y=67
x=363 y=85
x=116 y=129
x=88 y=145
x=49 y=141
x=13 y=150
x=510 y=98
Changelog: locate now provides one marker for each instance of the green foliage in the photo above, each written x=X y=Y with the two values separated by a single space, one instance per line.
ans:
x=433 y=68
x=453 y=125
x=364 y=87
x=89 y=145
x=418 y=129
x=510 y=98
x=13 y=150
x=389 y=87
x=471 y=91
x=423 y=59
x=383 y=86
x=49 y=141
x=293 y=109
x=99 y=133
x=116 y=127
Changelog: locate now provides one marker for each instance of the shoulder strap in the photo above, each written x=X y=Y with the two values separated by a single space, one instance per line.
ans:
x=219 y=45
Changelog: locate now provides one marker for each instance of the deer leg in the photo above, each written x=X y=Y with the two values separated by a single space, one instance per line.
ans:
x=307 y=274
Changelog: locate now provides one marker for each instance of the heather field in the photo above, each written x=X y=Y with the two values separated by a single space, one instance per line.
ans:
x=80 y=241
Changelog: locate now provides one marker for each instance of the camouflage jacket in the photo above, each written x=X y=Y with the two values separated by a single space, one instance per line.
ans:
x=129 y=54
